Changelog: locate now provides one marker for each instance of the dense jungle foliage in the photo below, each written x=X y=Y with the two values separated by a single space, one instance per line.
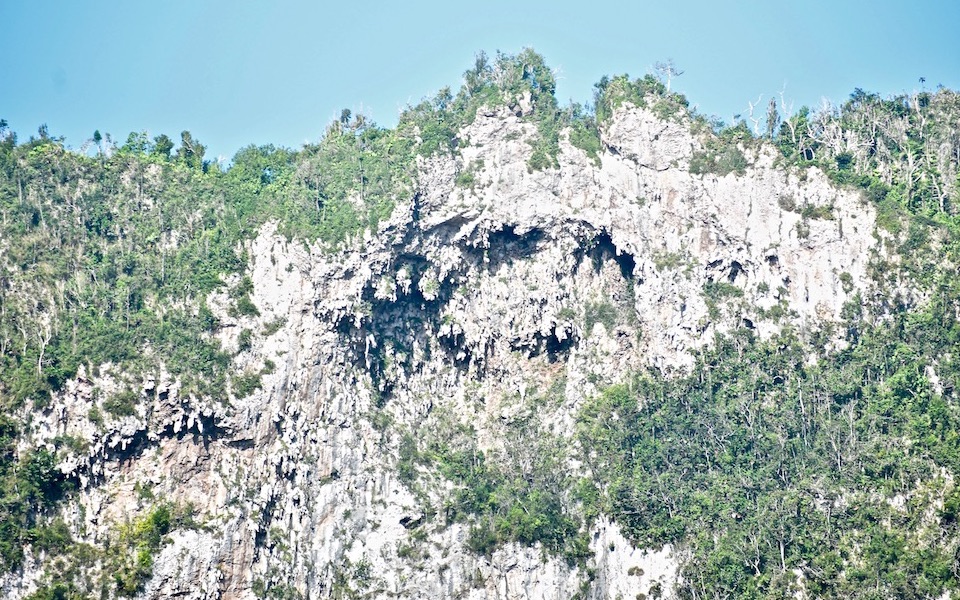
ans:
x=772 y=472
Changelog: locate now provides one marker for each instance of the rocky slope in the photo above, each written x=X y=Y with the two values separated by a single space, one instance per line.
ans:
x=476 y=306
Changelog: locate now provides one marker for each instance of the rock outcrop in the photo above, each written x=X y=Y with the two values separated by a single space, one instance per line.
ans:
x=467 y=304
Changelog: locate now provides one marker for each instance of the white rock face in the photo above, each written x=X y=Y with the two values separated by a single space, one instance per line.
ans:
x=467 y=304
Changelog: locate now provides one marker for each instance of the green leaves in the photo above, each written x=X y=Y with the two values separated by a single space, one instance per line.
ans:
x=890 y=148
x=28 y=487
x=129 y=558
x=744 y=460
x=519 y=494
x=722 y=153
x=349 y=182
x=611 y=93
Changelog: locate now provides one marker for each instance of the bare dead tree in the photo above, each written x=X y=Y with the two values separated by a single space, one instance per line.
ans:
x=754 y=120
x=44 y=334
x=666 y=71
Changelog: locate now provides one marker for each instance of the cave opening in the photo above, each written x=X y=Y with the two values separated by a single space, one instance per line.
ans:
x=604 y=249
x=507 y=244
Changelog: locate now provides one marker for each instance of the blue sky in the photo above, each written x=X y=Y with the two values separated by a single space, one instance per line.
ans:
x=235 y=73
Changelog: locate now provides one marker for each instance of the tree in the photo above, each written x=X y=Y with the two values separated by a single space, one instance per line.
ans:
x=98 y=141
x=773 y=118
x=190 y=151
x=479 y=75
x=537 y=74
x=162 y=146
x=666 y=71
x=137 y=143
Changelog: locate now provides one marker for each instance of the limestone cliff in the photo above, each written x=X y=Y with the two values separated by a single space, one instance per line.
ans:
x=512 y=297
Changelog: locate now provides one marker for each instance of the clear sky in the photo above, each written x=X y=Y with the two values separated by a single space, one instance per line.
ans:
x=235 y=73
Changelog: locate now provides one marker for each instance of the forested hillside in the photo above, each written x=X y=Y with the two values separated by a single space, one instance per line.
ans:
x=784 y=457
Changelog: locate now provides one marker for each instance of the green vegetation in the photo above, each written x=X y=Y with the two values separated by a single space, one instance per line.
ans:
x=524 y=84
x=892 y=149
x=777 y=474
x=242 y=304
x=467 y=178
x=31 y=486
x=131 y=558
x=97 y=243
x=668 y=261
x=584 y=133
x=116 y=253
x=612 y=93
x=122 y=566
x=600 y=312
x=835 y=478
x=246 y=384
x=122 y=404
x=766 y=466
x=519 y=494
x=722 y=152
x=245 y=340
x=773 y=472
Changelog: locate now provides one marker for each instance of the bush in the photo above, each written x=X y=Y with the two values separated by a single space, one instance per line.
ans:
x=465 y=179
x=244 y=385
x=585 y=135
x=611 y=93
x=131 y=557
x=718 y=159
x=54 y=538
x=121 y=404
x=599 y=312
x=787 y=203
x=732 y=452
x=721 y=290
x=810 y=211
x=244 y=340
x=274 y=326
x=41 y=480
x=28 y=489
x=243 y=305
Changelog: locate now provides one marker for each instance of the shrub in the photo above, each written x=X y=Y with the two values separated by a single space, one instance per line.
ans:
x=585 y=135
x=53 y=538
x=721 y=290
x=810 y=211
x=244 y=385
x=720 y=160
x=243 y=305
x=465 y=179
x=121 y=404
x=130 y=558
x=599 y=312
x=274 y=326
x=244 y=340
x=787 y=203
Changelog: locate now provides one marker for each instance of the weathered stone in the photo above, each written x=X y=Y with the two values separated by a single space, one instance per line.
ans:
x=488 y=294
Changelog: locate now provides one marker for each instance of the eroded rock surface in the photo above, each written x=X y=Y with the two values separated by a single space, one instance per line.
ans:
x=467 y=303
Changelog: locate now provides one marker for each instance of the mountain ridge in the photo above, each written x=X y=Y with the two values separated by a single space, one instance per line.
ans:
x=431 y=398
